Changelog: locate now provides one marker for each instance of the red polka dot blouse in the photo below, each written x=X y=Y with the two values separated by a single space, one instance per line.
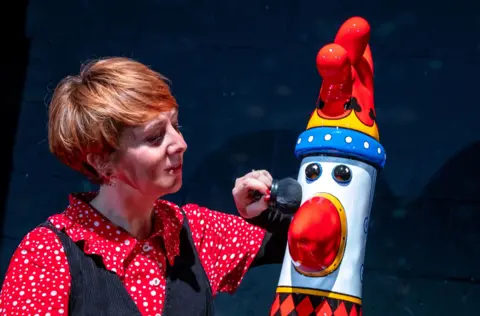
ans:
x=37 y=281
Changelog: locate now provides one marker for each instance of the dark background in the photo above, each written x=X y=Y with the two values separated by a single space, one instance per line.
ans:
x=244 y=75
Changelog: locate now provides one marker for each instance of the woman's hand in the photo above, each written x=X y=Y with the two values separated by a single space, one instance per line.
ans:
x=260 y=181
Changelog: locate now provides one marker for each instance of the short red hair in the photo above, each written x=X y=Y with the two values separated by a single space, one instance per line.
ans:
x=88 y=112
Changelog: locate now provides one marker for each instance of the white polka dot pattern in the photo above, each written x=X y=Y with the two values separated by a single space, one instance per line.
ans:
x=37 y=281
x=38 y=278
x=226 y=244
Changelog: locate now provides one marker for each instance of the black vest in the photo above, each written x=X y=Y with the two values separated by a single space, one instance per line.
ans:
x=97 y=291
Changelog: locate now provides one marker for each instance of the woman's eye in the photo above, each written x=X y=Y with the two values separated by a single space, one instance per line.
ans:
x=154 y=139
x=342 y=174
x=313 y=171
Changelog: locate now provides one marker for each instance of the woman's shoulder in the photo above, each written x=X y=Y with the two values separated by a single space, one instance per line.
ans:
x=191 y=210
x=202 y=218
x=37 y=269
x=186 y=209
x=40 y=247
x=41 y=238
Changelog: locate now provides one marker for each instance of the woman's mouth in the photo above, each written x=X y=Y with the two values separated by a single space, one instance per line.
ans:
x=175 y=169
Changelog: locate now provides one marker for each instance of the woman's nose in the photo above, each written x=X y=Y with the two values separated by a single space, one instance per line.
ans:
x=178 y=144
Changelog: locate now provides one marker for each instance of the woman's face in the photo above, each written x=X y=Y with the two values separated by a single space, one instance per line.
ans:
x=150 y=158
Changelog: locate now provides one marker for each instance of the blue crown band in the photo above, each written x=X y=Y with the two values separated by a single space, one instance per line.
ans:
x=343 y=142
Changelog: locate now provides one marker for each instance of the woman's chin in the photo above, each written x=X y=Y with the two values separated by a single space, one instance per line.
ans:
x=177 y=185
x=168 y=183
x=173 y=185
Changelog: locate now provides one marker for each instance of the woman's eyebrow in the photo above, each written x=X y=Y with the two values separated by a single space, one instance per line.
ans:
x=154 y=125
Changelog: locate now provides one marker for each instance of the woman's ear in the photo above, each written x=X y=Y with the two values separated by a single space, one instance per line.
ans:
x=101 y=164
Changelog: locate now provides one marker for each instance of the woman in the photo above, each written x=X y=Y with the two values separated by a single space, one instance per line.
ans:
x=122 y=250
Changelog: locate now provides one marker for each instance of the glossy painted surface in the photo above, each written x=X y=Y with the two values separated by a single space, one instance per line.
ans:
x=346 y=68
x=341 y=153
x=355 y=198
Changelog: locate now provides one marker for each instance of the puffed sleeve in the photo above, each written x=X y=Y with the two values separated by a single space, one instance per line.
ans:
x=227 y=245
x=37 y=281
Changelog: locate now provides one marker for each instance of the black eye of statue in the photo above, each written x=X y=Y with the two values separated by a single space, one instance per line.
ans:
x=342 y=174
x=313 y=171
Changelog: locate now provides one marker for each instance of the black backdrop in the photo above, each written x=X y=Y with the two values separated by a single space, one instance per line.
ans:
x=244 y=74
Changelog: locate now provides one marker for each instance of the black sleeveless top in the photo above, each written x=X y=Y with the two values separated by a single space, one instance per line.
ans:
x=95 y=291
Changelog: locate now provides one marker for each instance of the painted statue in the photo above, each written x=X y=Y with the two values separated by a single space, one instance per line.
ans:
x=340 y=156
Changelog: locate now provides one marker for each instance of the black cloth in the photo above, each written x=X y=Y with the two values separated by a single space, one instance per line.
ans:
x=97 y=291
x=100 y=292
x=274 y=244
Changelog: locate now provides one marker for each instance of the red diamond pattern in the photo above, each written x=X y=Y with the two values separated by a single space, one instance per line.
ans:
x=341 y=310
x=353 y=312
x=287 y=306
x=305 y=307
x=295 y=304
x=324 y=309
x=275 y=306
